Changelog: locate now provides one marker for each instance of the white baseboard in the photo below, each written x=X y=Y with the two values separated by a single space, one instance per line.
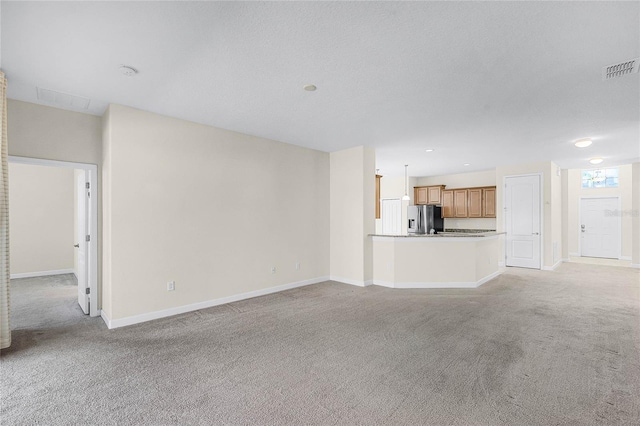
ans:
x=350 y=281
x=136 y=319
x=554 y=267
x=624 y=258
x=635 y=265
x=41 y=273
x=574 y=254
x=425 y=285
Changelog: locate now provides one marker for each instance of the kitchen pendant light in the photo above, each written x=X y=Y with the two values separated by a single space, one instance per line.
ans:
x=406 y=184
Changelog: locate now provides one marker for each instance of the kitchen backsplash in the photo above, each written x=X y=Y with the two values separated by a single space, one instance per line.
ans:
x=470 y=223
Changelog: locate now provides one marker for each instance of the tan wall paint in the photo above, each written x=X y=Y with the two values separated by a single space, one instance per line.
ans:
x=425 y=260
x=211 y=209
x=575 y=191
x=352 y=189
x=41 y=218
x=550 y=185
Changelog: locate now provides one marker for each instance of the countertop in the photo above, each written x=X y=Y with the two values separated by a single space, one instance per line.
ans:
x=446 y=234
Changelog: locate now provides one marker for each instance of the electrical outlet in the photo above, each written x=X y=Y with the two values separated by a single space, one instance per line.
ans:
x=297 y=266
x=273 y=269
x=171 y=285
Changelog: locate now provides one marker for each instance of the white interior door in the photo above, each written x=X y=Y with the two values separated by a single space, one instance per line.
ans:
x=391 y=215
x=82 y=245
x=599 y=228
x=522 y=221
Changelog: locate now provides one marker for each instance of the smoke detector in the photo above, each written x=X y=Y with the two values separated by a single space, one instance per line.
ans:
x=128 y=71
x=621 y=69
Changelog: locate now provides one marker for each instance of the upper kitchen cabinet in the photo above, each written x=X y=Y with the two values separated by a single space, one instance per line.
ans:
x=447 y=203
x=460 y=203
x=474 y=202
x=489 y=202
x=428 y=194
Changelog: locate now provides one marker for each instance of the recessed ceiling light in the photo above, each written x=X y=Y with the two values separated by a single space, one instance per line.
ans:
x=466 y=164
x=128 y=71
x=429 y=150
x=583 y=143
x=309 y=87
x=596 y=160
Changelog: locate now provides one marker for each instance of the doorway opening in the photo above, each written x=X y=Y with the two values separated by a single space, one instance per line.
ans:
x=78 y=237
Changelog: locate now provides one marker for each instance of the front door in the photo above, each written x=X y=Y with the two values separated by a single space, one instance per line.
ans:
x=599 y=227
x=522 y=221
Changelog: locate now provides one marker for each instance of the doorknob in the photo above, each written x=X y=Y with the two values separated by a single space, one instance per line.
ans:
x=77 y=245
x=536 y=233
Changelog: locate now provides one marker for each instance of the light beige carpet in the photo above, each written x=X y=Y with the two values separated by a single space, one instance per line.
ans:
x=528 y=348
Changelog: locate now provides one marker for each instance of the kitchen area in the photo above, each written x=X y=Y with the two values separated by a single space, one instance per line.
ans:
x=446 y=237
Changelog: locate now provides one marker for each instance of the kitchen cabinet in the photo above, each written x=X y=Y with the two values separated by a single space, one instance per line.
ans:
x=428 y=194
x=447 y=203
x=474 y=202
x=489 y=202
x=420 y=195
x=460 y=203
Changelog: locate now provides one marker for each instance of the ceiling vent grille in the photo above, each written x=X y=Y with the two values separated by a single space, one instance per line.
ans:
x=62 y=99
x=621 y=69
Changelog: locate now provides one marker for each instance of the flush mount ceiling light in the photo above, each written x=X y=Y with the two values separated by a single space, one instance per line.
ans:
x=309 y=87
x=406 y=184
x=466 y=164
x=596 y=160
x=128 y=71
x=583 y=143
x=429 y=150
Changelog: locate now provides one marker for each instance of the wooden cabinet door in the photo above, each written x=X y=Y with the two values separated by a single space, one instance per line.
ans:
x=420 y=195
x=489 y=202
x=434 y=195
x=447 y=203
x=474 y=202
x=460 y=203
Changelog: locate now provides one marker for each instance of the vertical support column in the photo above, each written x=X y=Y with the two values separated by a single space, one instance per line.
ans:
x=352 y=215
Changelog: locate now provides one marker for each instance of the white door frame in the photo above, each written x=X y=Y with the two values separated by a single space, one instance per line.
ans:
x=91 y=173
x=588 y=197
x=504 y=216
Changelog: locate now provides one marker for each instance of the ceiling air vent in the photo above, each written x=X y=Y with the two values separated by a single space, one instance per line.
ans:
x=618 y=70
x=62 y=99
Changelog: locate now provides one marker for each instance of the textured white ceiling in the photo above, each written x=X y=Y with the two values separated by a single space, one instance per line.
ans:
x=488 y=83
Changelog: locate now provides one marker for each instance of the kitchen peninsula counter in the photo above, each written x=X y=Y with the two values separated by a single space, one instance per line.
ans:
x=443 y=260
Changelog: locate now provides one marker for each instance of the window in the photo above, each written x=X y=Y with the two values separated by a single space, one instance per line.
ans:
x=600 y=178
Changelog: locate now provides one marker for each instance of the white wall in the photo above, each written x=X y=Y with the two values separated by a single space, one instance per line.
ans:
x=352 y=214
x=463 y=180
x=41 y=219
x=211 y=209
x=575 y=192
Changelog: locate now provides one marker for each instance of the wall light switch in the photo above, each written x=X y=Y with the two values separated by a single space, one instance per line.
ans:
x=171 y=285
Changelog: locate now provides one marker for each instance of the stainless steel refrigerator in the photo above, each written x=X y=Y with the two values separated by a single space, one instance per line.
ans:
x=424 y=218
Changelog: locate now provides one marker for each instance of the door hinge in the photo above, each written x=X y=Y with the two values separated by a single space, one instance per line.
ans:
x=87 y=185
x=88 y=238
x=87 y=290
